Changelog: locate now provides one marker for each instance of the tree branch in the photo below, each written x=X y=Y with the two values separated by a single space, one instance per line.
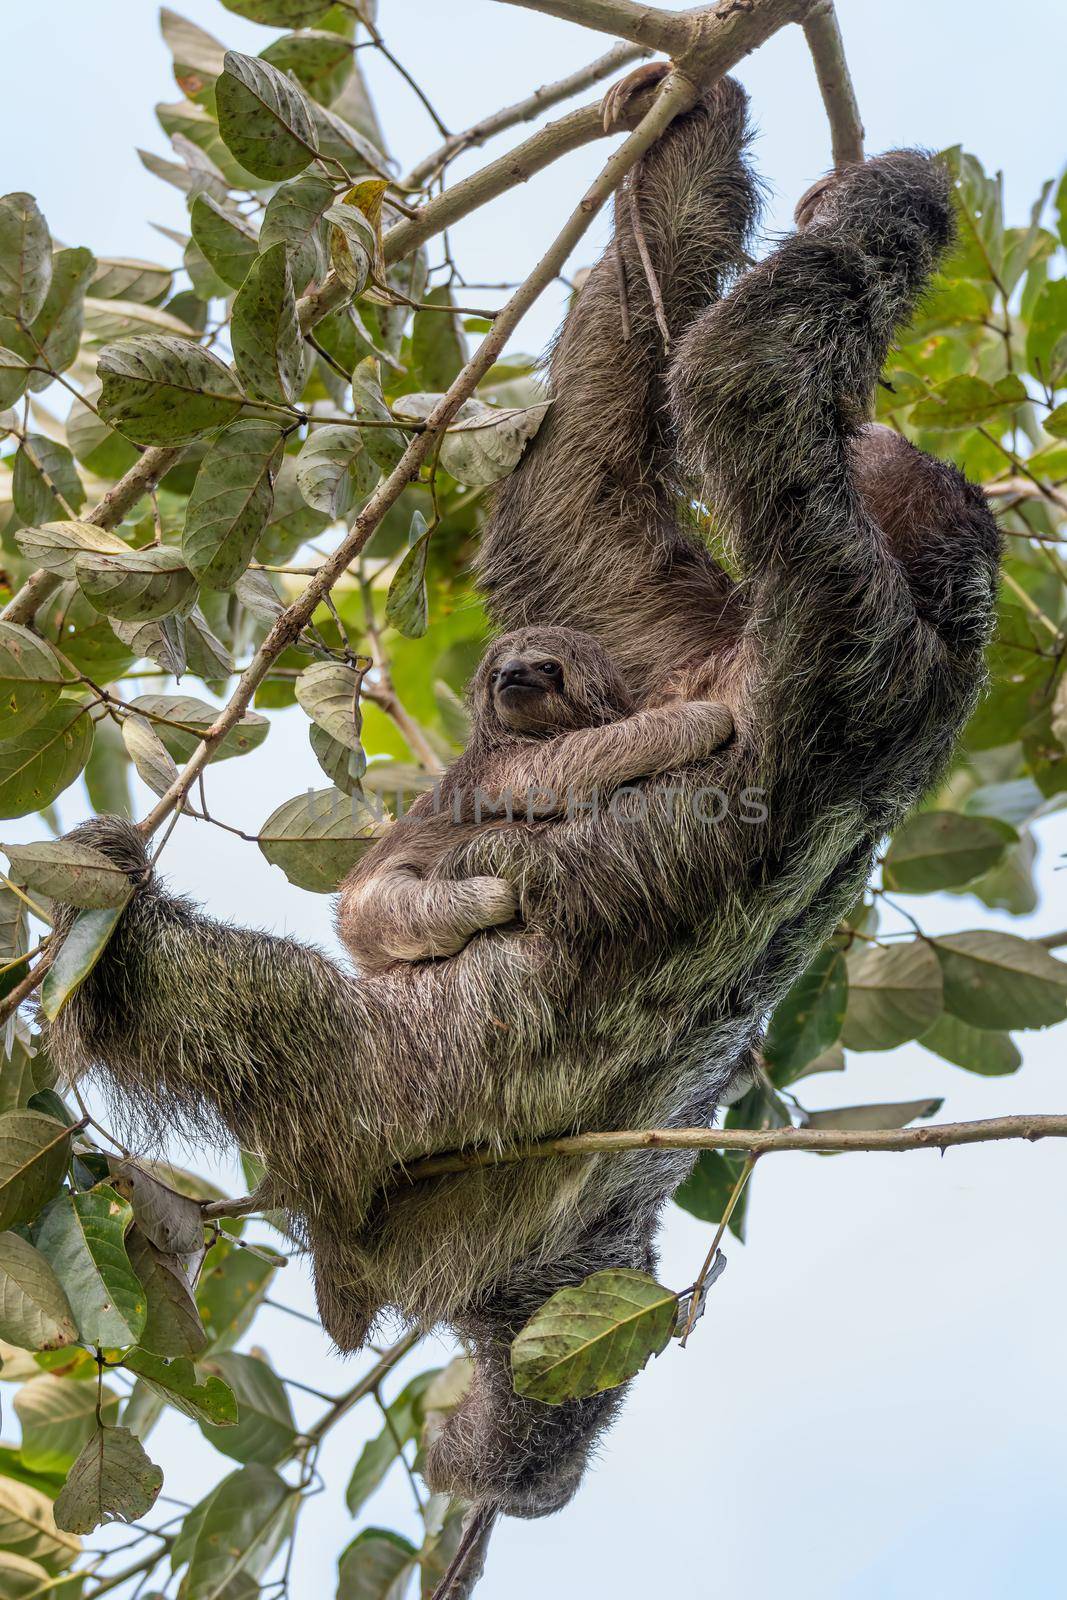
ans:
x=675 y=96
x=364 y=1386
x=668 y=31
x=827 y=48
x=550 y=94
x=757 y=1141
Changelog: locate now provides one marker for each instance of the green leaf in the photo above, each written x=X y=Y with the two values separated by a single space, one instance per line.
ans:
x=895 y=1114
x=198 y=55
x=139 y=585
x=34 y=1311
x=976 y=1049
x=99 y=448
x=210 y=1400
x=979 y=251
x=383 y=445
x=39 y=763
x=27 y=1527
x=482 y=443
x=231 y=501
x=57 y=545
x=21 y=1579
x=162 y=640
x=34 y=1152
x=83 y=1237
x=280 y=13
x=15 y=1470
x=407 y=606
x=25 y=257
x=82 y=948
x=334 y=469
x=998 y=981
x=195 y=717
x=31 y=677
x=224 y=238
x=45 y=481
x=317 y=838
x=592 y=1337
x=377 y=1565
x=1046 y=338
x=268 y=350
x=245 y=1521
x=63 y=869
x=58 y=1417
x=345 y=768
x=942 y=849
x=163 y=390
x=170 y=1220
x=172 y=1323
x=231 y=1287
x=121 y=278
x=294 y=217
x=112 y=1481
x=55 y=334
x=209 y=658
x=116 y=321
x=320 y=62
x=265 y=1430
x=438 y=347
x=264 y=118
x=965 y=400
x=14 y=375
x=152 y=760
x=809 y=1018
x=707 y=1190
x=894 y=994
x=329 y=692
x=355 y=244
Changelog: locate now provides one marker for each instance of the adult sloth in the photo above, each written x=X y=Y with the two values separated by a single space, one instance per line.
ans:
x=655 y=938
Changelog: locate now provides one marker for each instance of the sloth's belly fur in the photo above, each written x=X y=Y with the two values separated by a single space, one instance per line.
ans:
x=600 y=1037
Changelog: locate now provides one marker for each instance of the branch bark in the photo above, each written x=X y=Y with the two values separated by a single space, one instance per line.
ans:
x=668 y=31
x=756 y=1141
x=823 y=33
x=550 y=94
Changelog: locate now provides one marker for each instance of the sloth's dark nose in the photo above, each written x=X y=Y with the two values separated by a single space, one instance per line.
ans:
x=517 y=675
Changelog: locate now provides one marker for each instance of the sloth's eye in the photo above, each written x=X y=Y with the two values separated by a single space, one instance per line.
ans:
x=551 y=669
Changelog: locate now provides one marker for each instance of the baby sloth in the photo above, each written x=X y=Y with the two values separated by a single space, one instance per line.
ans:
x=555 y=731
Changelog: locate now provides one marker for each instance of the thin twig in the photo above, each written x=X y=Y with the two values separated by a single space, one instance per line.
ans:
x=550 y=94
x=761 y=1141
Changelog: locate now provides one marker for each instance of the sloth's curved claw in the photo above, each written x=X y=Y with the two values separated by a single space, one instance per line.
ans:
x=615 y=108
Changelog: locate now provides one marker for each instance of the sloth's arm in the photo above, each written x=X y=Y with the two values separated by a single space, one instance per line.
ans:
x=545 y=778
x=397 y=915
x=582 y=533
x=870 y=582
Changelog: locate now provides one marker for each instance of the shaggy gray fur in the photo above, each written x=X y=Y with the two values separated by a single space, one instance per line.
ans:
x=653 y=943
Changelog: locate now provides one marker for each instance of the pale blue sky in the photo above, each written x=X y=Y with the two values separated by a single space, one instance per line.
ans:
x=873 y=1407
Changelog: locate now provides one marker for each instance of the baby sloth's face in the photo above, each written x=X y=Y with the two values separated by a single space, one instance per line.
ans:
x=529 y=692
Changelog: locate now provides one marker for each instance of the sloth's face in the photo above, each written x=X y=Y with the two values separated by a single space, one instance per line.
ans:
x=528 y=690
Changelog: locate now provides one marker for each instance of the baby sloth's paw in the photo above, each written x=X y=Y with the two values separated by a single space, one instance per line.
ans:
x=496 y=900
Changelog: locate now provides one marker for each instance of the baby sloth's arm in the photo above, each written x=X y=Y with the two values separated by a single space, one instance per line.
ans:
x=543 y=779
x=395 y=914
